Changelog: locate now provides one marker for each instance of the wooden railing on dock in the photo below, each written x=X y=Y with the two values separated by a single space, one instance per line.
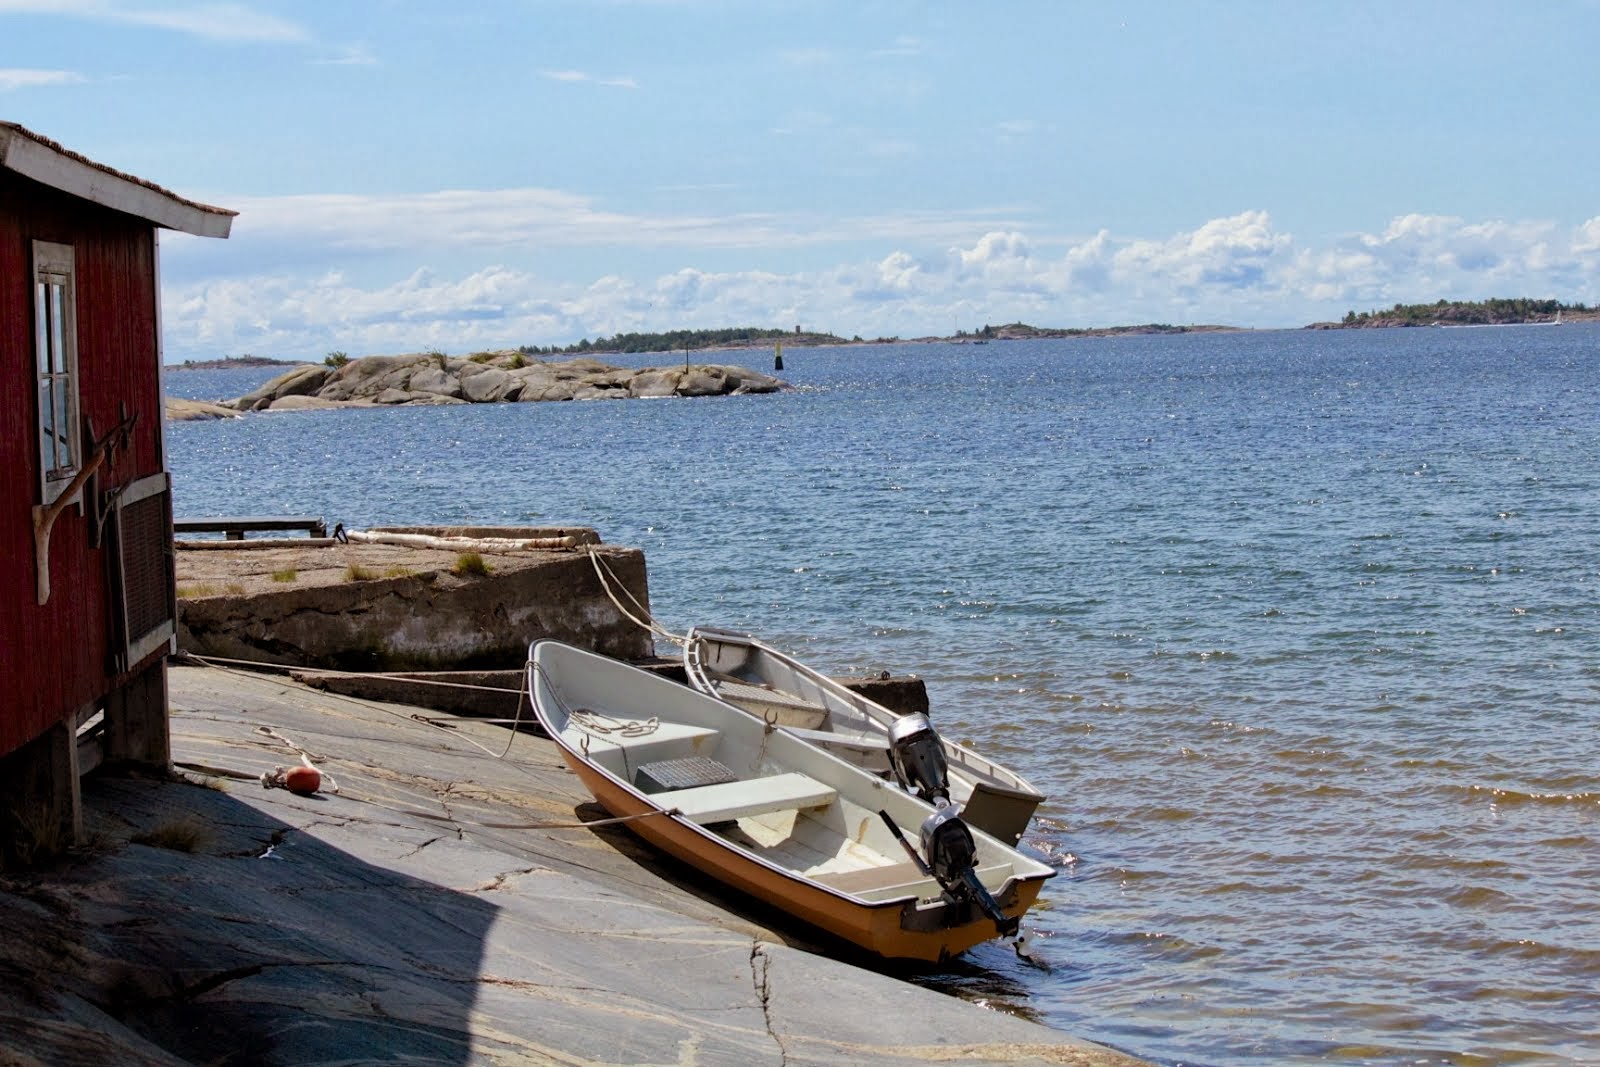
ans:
x=234 y=527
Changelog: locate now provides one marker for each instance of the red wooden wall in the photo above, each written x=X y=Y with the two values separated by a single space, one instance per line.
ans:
x=55 y=658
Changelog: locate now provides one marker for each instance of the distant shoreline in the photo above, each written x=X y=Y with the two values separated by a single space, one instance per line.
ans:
x=1014 y=332
x=1393 y=323
x=1403 y=316
x=1498 y=311
x=236 y=363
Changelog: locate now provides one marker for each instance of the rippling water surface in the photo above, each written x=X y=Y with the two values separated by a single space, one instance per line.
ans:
x=1299 y=631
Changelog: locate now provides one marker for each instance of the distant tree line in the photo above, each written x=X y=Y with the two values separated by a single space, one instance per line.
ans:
x=1476 y=312
x=677 y=340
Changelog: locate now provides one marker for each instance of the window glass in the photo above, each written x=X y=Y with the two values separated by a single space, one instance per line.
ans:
x=57 y=316
x=56 y=362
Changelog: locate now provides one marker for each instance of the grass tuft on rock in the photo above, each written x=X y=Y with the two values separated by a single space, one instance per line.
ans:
x=31 y=840
x=471 y=563
x=187 y=834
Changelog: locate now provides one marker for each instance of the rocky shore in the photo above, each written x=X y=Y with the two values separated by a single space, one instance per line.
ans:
x=432 y=904
x=489 y=378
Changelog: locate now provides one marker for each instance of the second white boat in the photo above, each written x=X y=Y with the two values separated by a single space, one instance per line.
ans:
x=742 y=671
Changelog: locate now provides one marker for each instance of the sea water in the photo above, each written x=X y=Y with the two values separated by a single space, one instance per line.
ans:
x=1298 y=630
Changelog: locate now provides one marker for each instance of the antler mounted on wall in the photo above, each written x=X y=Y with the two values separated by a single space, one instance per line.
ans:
x=44 y=517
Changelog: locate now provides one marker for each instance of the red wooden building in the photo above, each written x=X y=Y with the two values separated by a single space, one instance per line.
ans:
x=86 y=595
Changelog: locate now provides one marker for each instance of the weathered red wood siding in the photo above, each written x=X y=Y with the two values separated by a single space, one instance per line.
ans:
x=55 y=658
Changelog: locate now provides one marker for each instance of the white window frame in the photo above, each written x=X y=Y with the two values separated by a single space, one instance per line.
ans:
x=55 y=348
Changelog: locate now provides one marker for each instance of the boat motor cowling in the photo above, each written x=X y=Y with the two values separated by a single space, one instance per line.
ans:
x=917 y=757
x=953 y=858
x=948 y=844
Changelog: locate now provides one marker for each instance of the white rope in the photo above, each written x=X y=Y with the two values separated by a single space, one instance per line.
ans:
x=276 y=776
x=330 y=672
x=206 y=661
x=588 y=719
x=595 y=722
x=608 y=579
x=631 y=728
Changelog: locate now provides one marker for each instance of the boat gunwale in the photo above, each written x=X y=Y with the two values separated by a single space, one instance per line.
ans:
x=999 y=776
x=877 y=927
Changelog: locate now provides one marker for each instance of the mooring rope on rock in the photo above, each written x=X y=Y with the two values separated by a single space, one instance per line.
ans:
x=216 y=664
x=608 y=580
x=282 y=773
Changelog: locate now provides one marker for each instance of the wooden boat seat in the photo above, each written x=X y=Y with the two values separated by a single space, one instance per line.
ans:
x=829 y=739
x=753 y=796
x=669 y=740
x=899 y=879
x=785 y=709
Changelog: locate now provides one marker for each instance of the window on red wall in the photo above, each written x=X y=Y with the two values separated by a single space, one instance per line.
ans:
x=55 y=347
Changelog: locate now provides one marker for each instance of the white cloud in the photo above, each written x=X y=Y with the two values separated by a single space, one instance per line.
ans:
x=354 y=55
x=808 y=57
x=902 y=46
x=993 y=249
x=547 y=218
x=1012 y=130
x=219 y=21
x=22 y=78
x=1237 y=251
x=1421 y=257
x=898 y=270
x=1236 y=269
x=1587 y=239
x=578 y=76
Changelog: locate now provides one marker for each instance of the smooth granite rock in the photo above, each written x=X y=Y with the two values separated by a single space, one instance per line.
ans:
x=442 y=906
x=489 y=378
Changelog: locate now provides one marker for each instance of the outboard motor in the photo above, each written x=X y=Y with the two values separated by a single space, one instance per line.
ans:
x=953 y=860
x=917 y=758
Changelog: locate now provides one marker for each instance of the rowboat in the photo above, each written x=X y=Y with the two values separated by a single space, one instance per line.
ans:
x=773 y=816
x=749 y=674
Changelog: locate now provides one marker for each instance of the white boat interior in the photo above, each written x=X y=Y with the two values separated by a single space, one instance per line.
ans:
x=757 y=789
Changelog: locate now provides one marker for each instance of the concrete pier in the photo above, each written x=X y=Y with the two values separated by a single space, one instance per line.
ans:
x=382 y=607
x=445 y=906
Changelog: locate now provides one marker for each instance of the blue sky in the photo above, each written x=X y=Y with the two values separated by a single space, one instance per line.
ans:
x=413 y=175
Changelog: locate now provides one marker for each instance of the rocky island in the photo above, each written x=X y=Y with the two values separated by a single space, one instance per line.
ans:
x=486 y=378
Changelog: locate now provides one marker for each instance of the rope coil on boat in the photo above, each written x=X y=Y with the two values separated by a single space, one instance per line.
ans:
x=591 y=720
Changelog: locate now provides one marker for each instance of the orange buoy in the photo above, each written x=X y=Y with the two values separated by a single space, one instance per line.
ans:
x=302 y=780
